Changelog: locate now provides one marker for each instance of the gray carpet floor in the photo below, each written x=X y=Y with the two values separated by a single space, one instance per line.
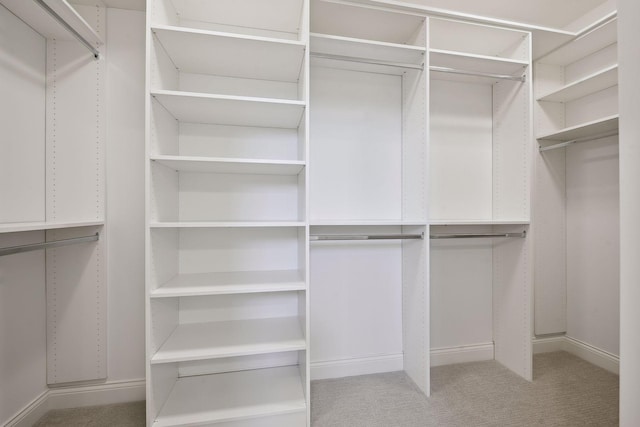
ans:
x=566 y=391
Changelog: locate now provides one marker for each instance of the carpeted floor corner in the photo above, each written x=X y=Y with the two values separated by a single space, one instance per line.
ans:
x=566 y=391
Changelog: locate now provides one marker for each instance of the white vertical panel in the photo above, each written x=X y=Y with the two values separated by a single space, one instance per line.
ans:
x=125 y=192
x=593 y=239
x=22 y=121
x=460 y=151
x=22 y=324
x=629 y=34
x=356 y=152
x=513 y=303
x=76 y=308
x=550 y=243
x=75 y=128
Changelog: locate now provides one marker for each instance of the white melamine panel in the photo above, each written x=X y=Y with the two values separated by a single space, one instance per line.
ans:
x=236 y=282
x=585 y=45
x=279 y=18
x=22 y=120
x=34 y=226
x=485 y=40
x=592 y=107
x=479 y=222
x=356 y=308
x=208 y=52
x=461 y=289
x=460 y=166
x=593 y=244
x=23 y=326
x=76 y=308
x=550 y=279
x=231 y=110
x=477 y=63
x=596 y=82
x=601 y=60
x=76 y=103
x=223 y=398
x=381 y=51
x=512 y=150
x=199 y=341
x=226 y=224
x=125 y=193
x=513 y=302
x=230 y=166
x=234 y=86
x=356 y=145
x=595 y=127
x=239 y=363
x=362 y=22
x=238 y=142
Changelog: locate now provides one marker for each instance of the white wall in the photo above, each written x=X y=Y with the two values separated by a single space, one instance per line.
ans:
x=125 y=193
x=593 y=309
x=629 y=34
x=22 y=276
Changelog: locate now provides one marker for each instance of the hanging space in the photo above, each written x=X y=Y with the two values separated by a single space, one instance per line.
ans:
x=480 y=167
x=227 y=268
x=368 y=192
x=577 y=197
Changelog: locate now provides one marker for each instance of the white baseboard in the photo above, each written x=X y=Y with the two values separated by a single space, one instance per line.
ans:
x=591 y=354
x=462 y=354
x=78 y=396
x=359 y=366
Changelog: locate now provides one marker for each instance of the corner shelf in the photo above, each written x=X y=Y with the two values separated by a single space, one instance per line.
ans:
x=591 y=84
x=230 y=165
x=262 y=58
x=231 y=110
x=479 y=63
x=224 y=283
x=201 y=341
x=39 y=226
x=200 y=400
x=595 y=127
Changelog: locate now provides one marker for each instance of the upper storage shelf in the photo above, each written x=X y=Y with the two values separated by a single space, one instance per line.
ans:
x=55 y=19
x=598 y=38
x=595 y=127
x=262 y=58
x=280 y=19
x=477 y=63
x=593 y=83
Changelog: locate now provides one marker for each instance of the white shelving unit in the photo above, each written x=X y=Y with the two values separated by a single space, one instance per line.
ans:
x=480 y=184
x=226 y=213
x=53 y=177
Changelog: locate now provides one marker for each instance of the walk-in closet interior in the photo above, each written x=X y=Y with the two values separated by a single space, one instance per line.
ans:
x=209 y=204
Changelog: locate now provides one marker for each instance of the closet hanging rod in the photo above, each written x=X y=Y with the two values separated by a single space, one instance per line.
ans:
x=69 y=28
x=47 y=245
x=325 y=237
x=578 y=140
x=477 y=236
x=367 y=61
x=521 y=78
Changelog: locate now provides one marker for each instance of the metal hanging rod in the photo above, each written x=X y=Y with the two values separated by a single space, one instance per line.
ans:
x=324 y=237
x=65 y=24
x=477 y=236
x=47 y=245
x=578 y=140
x=367 y=61
x=521 y=78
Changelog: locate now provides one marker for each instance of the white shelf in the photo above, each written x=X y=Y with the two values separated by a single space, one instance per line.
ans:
x=211 y=52
x=226 y=224
x=201 y=341
x=238 y=282
x=208 y=399
x=479 y=63
x=40 y=20
x=375 y=222
x=367 y=49
x=231 y=110
x=444 y=222
x=36 y=226
x=583 y=46
x=591 y=84
x=607 y=124
x=227 y=165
